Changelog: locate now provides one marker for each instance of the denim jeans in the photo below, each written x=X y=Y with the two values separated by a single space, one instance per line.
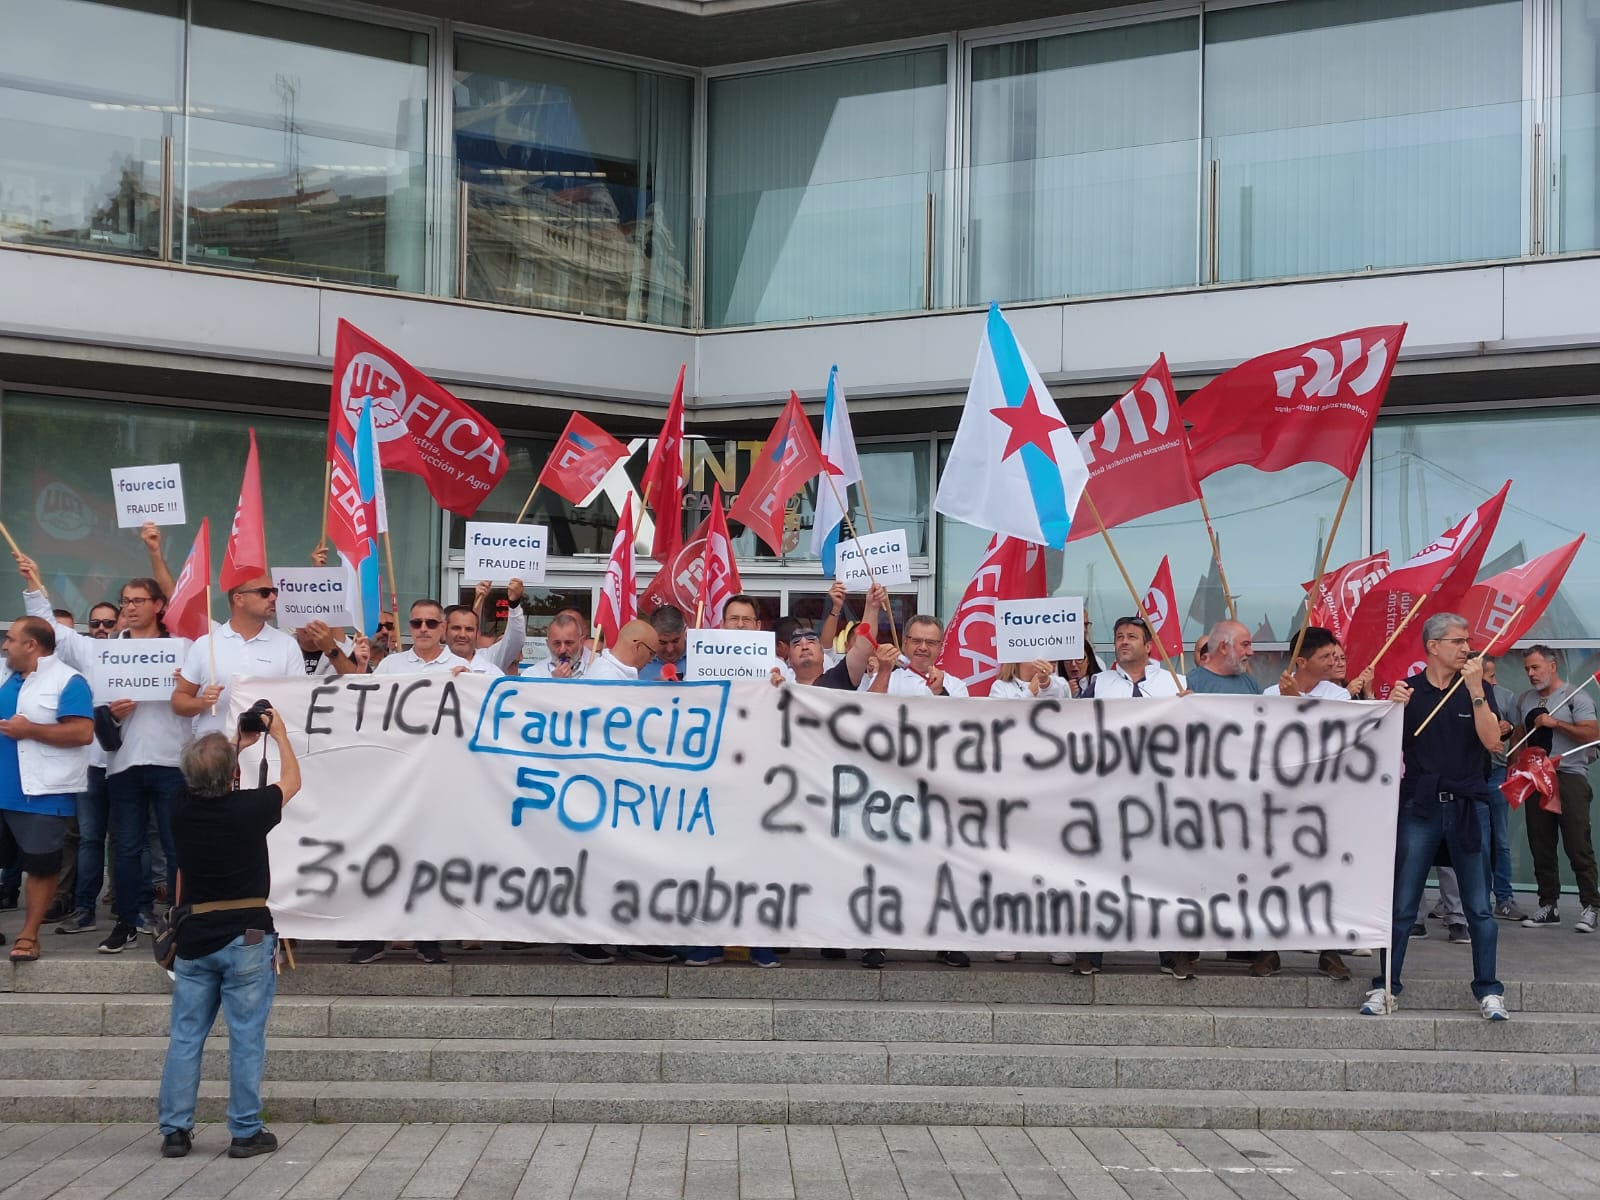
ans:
x=94 y=809
x=136 y=794
x=241 y=980
x=1497 y=836
x=1417 y=842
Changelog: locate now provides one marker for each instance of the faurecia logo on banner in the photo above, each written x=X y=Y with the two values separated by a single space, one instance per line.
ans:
x=1028 y=629
x=730 y=654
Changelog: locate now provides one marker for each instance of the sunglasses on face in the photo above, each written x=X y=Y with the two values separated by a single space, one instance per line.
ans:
x=266 y=593
x=101 y=623
x=425 y=622
x=386 y=626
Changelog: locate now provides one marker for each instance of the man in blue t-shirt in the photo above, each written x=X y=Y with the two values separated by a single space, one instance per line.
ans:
x=47 y=717
x=1227 y=668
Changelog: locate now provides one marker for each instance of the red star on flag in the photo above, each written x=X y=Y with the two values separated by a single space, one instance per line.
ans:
x=1029 y=426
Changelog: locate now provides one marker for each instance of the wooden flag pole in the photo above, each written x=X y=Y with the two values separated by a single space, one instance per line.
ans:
x=1322 y=567
x=327 y=487
x=1216 y=554
x=528 y=503
x=1395 y=636
x=844 y=513
x=865 y=504
x=394 y=591
x=38 y=584
x=211 y=645
x=1138 y=601
x=1511 y=620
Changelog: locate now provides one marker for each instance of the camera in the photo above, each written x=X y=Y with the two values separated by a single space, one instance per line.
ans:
x=256 y=718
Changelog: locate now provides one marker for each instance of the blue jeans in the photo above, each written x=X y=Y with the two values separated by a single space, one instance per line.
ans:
x=240 y=979
x=94 y=808
x=1497 y=838
x=136 y=794
x=1417 y=842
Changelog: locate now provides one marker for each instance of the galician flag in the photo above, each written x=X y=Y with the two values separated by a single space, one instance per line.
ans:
x=1015 y=467
x=840 y=468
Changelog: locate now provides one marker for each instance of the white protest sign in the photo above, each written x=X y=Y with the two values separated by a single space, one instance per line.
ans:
x=133 y=668
x=1028 y=629
x=148 y=494
x=501 y=552
x=307 y=594
x=877 y=558
x=717 y=813
x=730 y=654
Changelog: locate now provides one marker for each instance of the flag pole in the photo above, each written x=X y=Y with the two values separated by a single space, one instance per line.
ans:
x=1395 y=636
x=528 y=503
x=844 y=514
x=211 y=642
x=865 y=503
x=394 y=591
x=1322 y=567
x=1590 y=678
x=1511 y=620
x=38 y=584
x=327 y=487
x=1216 y=553
x=1138 y=602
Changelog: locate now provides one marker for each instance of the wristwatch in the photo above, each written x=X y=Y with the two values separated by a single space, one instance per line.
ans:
x=1477 y=700
x=334 y=653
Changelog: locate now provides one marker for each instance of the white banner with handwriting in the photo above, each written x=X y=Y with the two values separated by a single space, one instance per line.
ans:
x=712 y=813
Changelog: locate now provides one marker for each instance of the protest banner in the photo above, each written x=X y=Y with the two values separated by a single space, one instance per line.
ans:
x=1028 y=629
x=134 y=668
x=501 y=552
x=148 y=494
x=730 y=654
x=312 y=594
x=879 y=558
x=717 y=813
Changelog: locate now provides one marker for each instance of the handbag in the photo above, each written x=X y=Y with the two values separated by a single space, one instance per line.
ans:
x=164 y=945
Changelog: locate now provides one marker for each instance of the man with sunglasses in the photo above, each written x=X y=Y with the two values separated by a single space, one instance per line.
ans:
x=246 y=645
x=428 y=651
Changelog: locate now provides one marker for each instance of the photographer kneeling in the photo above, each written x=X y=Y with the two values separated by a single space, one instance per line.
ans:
x=226 y=946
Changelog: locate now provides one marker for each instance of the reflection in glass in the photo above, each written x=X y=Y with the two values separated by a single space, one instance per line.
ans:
x=577 y=178
x=56 y=456
x=82 y=119
x=818 y=188
x=1578 y=126
x=1354 y=134
x=307 y=145
x=1084 y=164
x=1429 y=471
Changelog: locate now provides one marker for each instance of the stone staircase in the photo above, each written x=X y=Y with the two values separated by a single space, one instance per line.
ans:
x=534 y=1037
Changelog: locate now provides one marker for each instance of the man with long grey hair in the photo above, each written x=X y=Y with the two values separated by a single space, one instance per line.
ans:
x=226 y=946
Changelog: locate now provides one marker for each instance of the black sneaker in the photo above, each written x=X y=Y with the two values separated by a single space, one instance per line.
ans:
x=366 y=952
x=119 y=939
x=873 y=958
x=1419 y=930
x=954 y=958
x=597 y=955
x=649 y=954
x=260 y=1142
x=57 y=911
x=431 y=953
x=176 y=1144
x=8 y=902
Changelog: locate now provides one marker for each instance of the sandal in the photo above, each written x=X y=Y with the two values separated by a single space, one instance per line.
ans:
x=26 y=949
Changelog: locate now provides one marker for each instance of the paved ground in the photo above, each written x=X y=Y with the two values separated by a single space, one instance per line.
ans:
x=806 y=1162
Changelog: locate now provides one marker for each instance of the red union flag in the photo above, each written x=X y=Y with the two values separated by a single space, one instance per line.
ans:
x=1137 y=455
x=1310 y=403
x=1442 y=573
x=581 y=459
x=1161 y=607
x=186 y=614
x=245 y=556
x=719 y=574
x=421 y=428
x=678 y=581
x=618 y=592
x=1334 y=597
x=1011 y=569
x=1504 y=607
x=790 y=457
x=662 y=485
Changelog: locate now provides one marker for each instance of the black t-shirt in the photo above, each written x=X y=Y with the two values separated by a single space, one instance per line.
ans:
x=222 y=854
x=836 y=676
x=1449 y=747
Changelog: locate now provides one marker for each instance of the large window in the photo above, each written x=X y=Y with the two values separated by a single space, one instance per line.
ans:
x=1352 y=134
x=1577 y=166
x=1084 y=163
x=577 y=184
x=823 y=184
x=82 y=120
x=56 y=456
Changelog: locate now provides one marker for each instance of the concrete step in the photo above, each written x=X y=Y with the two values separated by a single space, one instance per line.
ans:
x=1134 y=983
x=916 y=1064
x=823 y=1104
x=609 y=1018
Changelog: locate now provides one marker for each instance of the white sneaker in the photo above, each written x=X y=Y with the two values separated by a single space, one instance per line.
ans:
x=1063 y=958
x=1493 y=1008
x=1006 y=956
x=1379 y=1003
x=1586 y=921
x=1361 y=953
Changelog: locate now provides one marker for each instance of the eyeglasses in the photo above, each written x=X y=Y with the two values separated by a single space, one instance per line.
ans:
x=804 y=636
x=1454 y=641
x=426 y=622
x=386 y=626
x=127 y=600
x=266 y=593
x=911 y=641
x=102 y=623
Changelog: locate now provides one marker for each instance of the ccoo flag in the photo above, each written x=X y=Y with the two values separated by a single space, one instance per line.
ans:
x=186 y=614
x=788 y=458
x=1015 y=467
x=245 y=556
x=619 y=594
x=719 y=573
x=580 y=460
x=840 y=469
x=353 y=516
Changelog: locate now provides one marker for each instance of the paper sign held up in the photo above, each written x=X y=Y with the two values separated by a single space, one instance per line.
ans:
x=877 y=558
x=307 y=594
x=501 y=552
x=1028 y=629
x=730 y=654
x=148 y=494
x=134 y=668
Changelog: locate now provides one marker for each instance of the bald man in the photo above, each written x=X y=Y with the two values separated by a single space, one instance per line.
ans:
x=636 y=645
x=1227 y=668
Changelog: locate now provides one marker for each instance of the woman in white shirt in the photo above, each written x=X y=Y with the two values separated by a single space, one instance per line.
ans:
x=1035 y=680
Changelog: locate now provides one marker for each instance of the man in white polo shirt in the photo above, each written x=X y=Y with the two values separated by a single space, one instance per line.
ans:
x=461 y=634
x=246 y=645
x=428 y=651
x=1131 y=673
